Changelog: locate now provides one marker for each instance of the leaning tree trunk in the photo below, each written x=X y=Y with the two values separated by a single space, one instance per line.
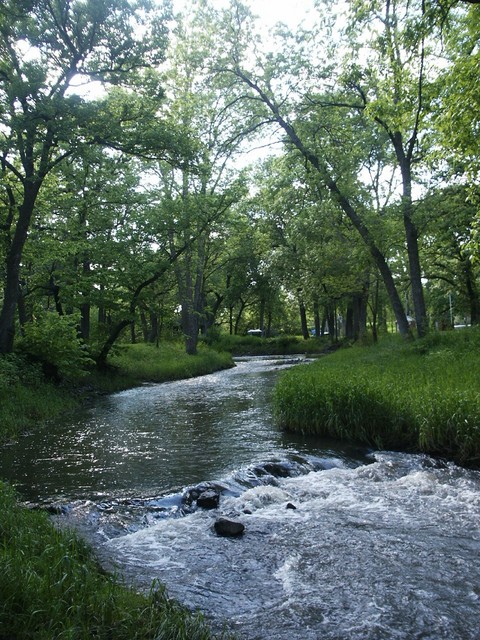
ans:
x=337 y=195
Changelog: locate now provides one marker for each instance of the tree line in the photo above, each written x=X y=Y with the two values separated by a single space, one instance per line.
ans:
x=126 y=198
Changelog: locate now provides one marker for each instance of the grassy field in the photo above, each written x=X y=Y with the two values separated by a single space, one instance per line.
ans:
x=421 y=396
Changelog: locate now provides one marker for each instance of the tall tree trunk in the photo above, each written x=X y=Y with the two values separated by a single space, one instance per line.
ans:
x=144 y=325
x=239 y=315
x=411 y=237
x=55 y=289
x=472 y=292
x=316 y=316
x=230 y=320
x=268 y=333
x=12 y=266
x=154 y=333
x=349 y=326
x=303 y=319
x=85 y=307
x=262 y=316
x=375 y=298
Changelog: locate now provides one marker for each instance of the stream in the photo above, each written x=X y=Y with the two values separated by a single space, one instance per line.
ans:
x=340 y=542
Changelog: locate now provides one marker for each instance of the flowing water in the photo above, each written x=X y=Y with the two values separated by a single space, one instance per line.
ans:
x=339 y=543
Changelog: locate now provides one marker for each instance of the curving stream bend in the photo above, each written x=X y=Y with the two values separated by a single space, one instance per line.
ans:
x=379 y=545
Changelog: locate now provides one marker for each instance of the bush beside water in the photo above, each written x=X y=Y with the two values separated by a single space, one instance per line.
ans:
x=421 y=396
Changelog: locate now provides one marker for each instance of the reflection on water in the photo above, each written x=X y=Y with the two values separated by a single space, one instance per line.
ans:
x=153 y=439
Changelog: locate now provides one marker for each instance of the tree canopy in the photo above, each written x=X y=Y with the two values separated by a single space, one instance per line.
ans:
x=128 y=197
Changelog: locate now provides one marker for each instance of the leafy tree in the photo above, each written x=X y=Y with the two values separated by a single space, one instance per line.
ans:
x=46 y=48
x=386 y=85
x=276 y=99
x=458 y=121
x=452 y=271
x=198 y=195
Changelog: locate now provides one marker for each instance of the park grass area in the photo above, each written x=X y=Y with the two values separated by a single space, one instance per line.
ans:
x=51 y=587
x=419 y=396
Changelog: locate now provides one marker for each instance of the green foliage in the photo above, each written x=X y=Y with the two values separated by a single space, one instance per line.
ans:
x=253 y=345
x=51 y=587
x=416 y=397
x=53 y=340
x=25 y=397
x=15 y=369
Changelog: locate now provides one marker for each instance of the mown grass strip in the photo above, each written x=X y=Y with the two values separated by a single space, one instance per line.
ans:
x=423 y=396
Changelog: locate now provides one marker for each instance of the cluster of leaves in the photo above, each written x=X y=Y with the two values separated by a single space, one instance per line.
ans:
x=53 y=341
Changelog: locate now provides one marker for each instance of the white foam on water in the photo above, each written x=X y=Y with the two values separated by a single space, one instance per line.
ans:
x=388 y=550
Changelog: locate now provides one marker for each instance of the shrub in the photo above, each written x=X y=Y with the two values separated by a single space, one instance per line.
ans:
x=53 y=341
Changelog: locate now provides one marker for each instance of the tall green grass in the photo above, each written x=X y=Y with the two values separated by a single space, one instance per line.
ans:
x=423 y=396
x=51 y=588
x=168 y=361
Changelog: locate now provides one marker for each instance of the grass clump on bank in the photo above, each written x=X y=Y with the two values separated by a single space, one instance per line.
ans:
x=50 y=587
x=421 y=396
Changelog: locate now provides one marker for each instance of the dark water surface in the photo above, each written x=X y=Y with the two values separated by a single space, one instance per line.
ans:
x=381 y=545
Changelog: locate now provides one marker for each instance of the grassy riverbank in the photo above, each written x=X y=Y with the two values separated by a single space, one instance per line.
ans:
x=280 y=345
x=51 y=587
x=421 y=396
x=28 y=399
x=50 y=584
